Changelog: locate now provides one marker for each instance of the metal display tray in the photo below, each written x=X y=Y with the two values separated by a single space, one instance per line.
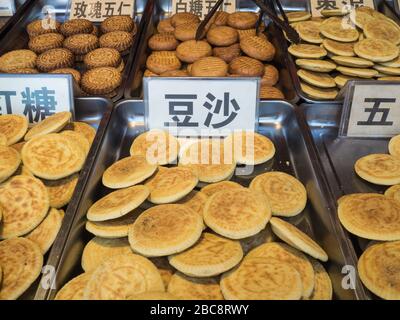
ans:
x=15 y=36
x=95 y=112
x=277 y=120
x=304 y=5
x=336 y=158
x=159 y=10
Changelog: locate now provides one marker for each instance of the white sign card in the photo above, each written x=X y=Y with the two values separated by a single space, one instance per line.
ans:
x=201 y=107
x=201 y=7
x=99 y=10
x=7 y=8
x=36 y=96
x=371 y=110
x=318 y=5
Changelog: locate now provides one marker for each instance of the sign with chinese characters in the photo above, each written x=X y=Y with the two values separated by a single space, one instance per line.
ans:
x=99 y=10
x=318 y=5
x=371 y=110
x=201 y=107
x=35 y=96
x=201 y=7
x=7 y=8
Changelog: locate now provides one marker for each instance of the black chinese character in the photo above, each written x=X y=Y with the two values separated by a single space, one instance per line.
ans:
x=181 y=6
x=210 y=4
x=181 y=108
x=7 y=96
x=95 y=10
x=39 y=104
x=121 y=8
x=80 y=9
x=109 y=9
x=326 y=5
x=374 y=110
x=217 y=109
x=196 y=7
x=354 y=3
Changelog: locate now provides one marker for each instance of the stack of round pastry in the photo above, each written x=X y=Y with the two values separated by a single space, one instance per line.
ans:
x=159 y=234
x=38 y=174
x=362 y=44
x=93 y=57
x=376 y=217
x=230 y=47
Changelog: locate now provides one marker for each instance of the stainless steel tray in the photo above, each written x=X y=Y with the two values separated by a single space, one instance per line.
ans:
x=95 y=112
x=158 y=10
x=15 y=35
x=337 y=156
x=277 y=120
x=304 y=5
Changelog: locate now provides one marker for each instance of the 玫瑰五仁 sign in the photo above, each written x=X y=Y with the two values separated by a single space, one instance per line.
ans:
x=318 y=5
x=35 y=96
x=198 y=107
x=97 y=10
x=201 y=7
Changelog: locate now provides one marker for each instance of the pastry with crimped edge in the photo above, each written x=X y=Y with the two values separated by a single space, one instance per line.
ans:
x=195 y=200
x=237 y=213
x=24 y=71
x=102 y=81
x=384 y=29
x=17 y=59
x=55 y=59
x=376 y=50
x=119 y=40
x=184 y=17
x=210 y=256
x=227 y=53
x=337 y=29
x=163 y=42
x=271 y=75
x=291 y=256
x=262 y=279
x=269 y=92
x=13 y=127
x=342 y=79
x=46 y=42
x=111 y=229
x=192 y=50
x=76 y=26
x=175 y=73
x=395 y=63
x=246 y=66
x=162 y=61
x=318 y=79
x=189 y=288
x=61 y=191
x=382 y=169
x=165 y=26
x=102 y=57
x=242 y=20
x=322 y=284
x=222 y=36
x=286 y=195
x=42 y=26
x=164 y=230
x=122 y=276
x=21 y=262
x=185 y=32
x=220 y=18
x=352 y=62
x=246 y=33
x=319 y=93
x=118 y=203
x=51 y=124
x=76 y=75
x=393 y=192
x=73 y=289
x=345 y=49
x=46 y=232
x=297 y=16
x=87 y=130
x=80 y=44
x=297 y=239
x=387 y=70
x=99 y=249
x=213 y=188
x=209 y=67
x=25 y=203
x=309 y=31
x=118 y=23
x=258 y=48
x=316 y=65
x=358 y=72
x=371 y=216
x=307 y=51
x=79 y=139
x=10 y=160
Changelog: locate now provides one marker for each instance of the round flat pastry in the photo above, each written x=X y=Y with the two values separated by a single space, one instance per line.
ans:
x=165 y=269
x=213 y=188
x=162 y=61
x=13 y=127
x=323 y=284
x=111 y=229
x=297 y=239
x=378 y=269
x=361 y=16
x=51 y=124
x=46 y=232
x=237 y=213
x=9 y=162
x=165 y=229
x=382 y=169
x=376 y=50
x=118 y=203
x=393 y=63
x=389 y=79
x=210 y=256
x=209 y=67
x=196 y=201
x=388 y=70
x=318 y=79
x=17 y=59
x=341 y=80
x=291 y=256
x=192 y=50
x=307 y=51
x=53 y=156
x=259 y=279
x=128 y=172
x=319 y=93
x=79 y=139
x=210 y=159
x=159 y=147
x=61 y=191
x=21 y=261
x=251 y=148
x=242 y=20
x=73 y=289
x=352 y=61
x=393 y=192
x=316 y=65
x=171 y=185
x=286 y=195
x=258 y=48
x=338 y=29
x=371 y=216
x=3 y=139
x=25 y=203
x=99 y=249
x=297 y=16
x=334 y=12
x=309 y=31
x=122 y=276
x=357 y=72
x=394 y=146
x=188 y=288
x=344 y=49
x=382 y=30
